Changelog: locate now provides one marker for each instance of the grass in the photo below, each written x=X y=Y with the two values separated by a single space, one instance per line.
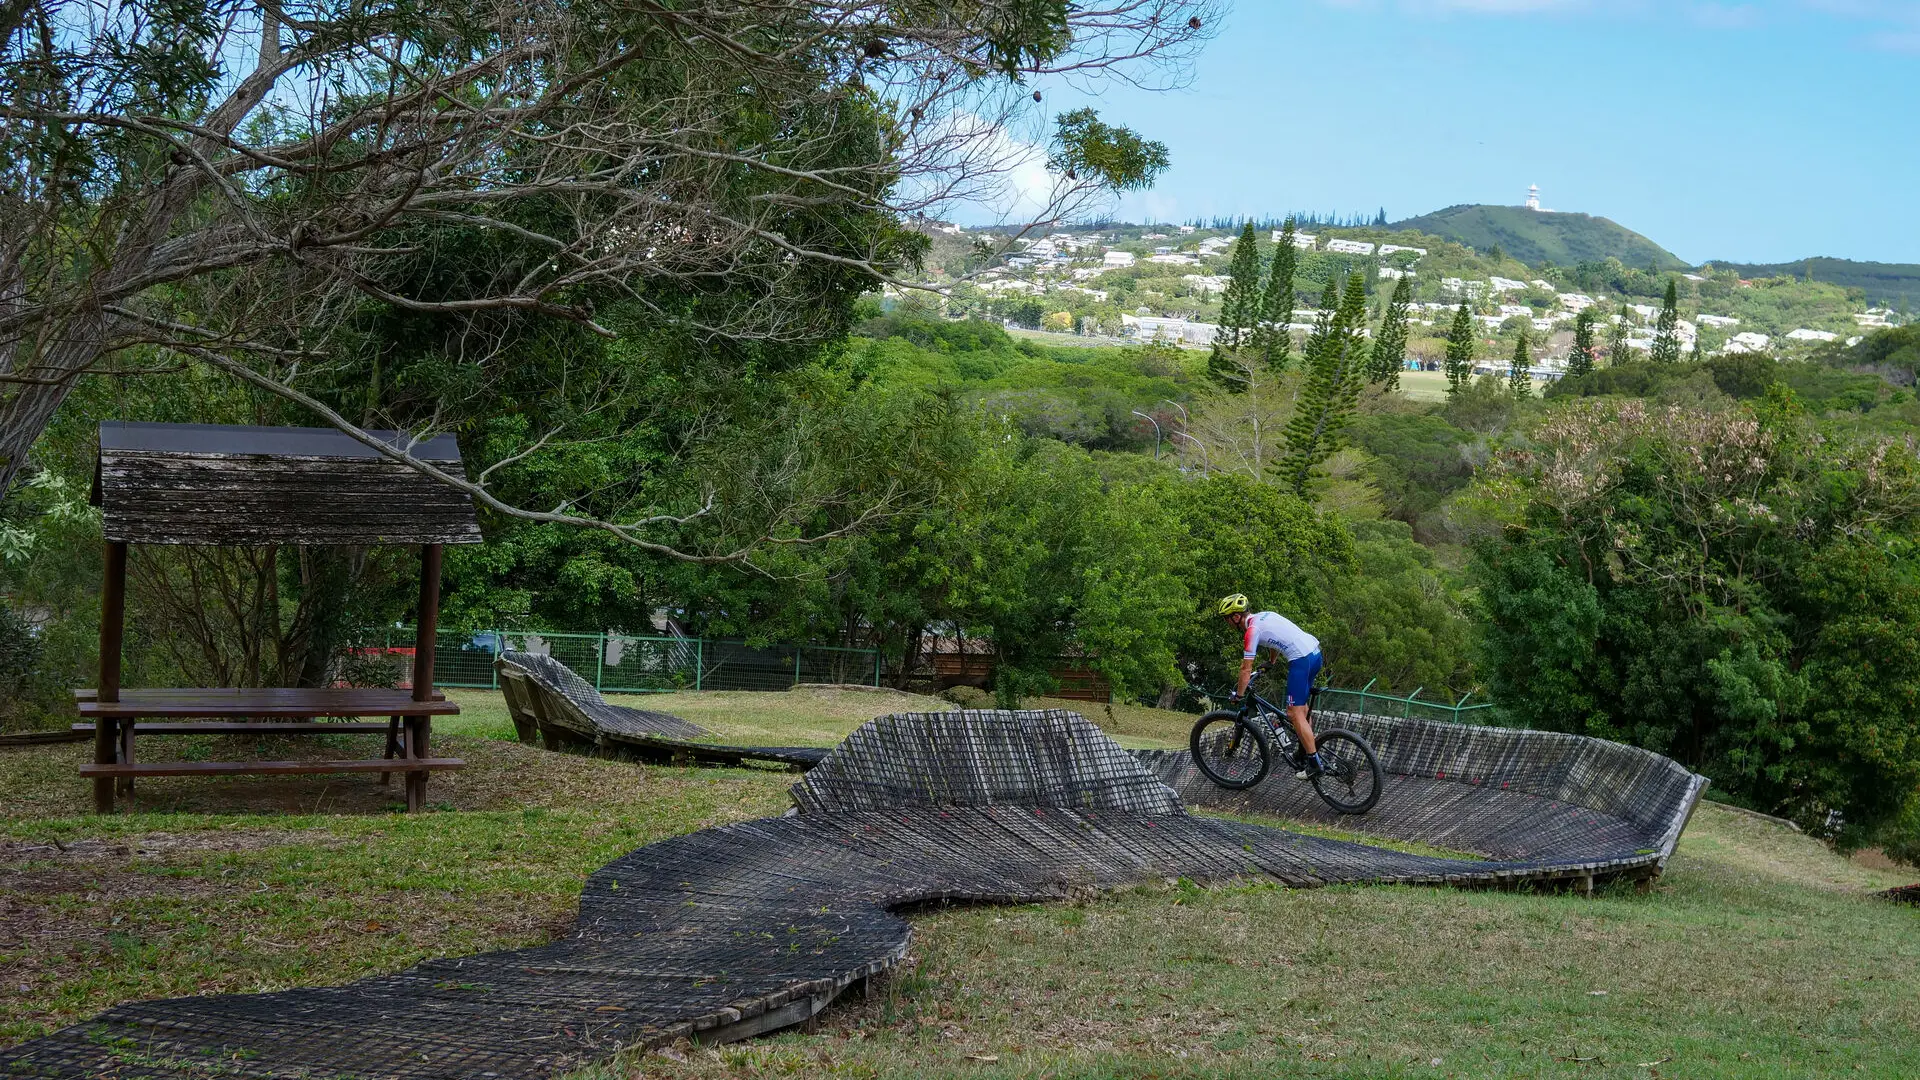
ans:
x=1757 y=955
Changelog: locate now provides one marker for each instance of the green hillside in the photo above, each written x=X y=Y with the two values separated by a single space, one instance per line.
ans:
x=1536 y=238
x=1889 y=284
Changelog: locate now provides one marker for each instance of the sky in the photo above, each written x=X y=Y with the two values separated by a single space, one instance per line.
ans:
x=1751 y=132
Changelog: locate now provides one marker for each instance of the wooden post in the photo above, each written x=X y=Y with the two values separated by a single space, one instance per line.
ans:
x=426 y=631
x=113 y=619
x=426 y=622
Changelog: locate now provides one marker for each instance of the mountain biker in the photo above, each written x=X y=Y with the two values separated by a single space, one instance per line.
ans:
x=1280 y=637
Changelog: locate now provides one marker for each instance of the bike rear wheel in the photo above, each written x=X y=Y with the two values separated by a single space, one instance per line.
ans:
x=1231 y=750
x=1351 y=780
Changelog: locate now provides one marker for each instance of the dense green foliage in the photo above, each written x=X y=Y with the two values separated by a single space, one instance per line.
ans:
x=1537 y=238
x=1731 y=588
x=1892 y=284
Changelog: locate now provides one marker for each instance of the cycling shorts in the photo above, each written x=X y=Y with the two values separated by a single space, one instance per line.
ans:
x=1300 y=675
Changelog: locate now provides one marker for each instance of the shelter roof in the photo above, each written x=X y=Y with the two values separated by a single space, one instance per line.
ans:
x=244 y=485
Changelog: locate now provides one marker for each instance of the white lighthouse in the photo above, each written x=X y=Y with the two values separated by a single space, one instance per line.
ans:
x=1533 y=196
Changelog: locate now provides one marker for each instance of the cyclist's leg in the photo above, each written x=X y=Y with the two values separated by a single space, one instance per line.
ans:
x=1300 y=676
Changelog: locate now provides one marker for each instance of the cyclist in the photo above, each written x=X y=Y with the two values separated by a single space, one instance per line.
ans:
x=1279 y=636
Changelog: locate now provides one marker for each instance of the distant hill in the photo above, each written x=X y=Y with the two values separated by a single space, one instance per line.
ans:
x=1535 y=237
x=1886 y=284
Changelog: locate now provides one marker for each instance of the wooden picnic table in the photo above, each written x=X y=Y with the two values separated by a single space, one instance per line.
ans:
x=295 y=711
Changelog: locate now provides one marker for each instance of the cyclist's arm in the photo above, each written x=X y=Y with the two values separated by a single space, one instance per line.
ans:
x=1246 y=676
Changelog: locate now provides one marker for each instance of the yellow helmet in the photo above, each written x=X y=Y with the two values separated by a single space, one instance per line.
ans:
x=1231 y=605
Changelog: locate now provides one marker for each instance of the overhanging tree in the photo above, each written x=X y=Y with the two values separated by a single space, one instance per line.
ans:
x=238 y=184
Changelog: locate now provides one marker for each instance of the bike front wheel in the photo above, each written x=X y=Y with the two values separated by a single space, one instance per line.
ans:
x=1350 y=779
x=1230 y=749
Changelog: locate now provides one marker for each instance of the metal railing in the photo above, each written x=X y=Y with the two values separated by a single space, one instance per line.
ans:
x=631 y=663
x=1364 y=700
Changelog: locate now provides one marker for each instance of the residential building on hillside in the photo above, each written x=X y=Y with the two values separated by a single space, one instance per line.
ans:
x=1873 y=317
x=1117 y=259
x=1472 y=290
x=1574 y=302
x=1506 y=284
x=1388 y=249
x=1747 y=342
x=1719 y=321
x=1174 y=258
x=1541 y=284
x=1645 y=311
x=1388 y=273
x=1206 y=283
x=1214 y=245
x=1305 y=241
x=1349 y=247
x=1161 y=328
x=1804 y=334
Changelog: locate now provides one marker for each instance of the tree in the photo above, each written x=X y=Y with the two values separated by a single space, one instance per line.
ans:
x=1617 y=338
x=1732 y=589
x=1580 y=361
x=1666 y=335
x=1460 y=350
x=1336 y=371
x=241 y=184
x=1389 y=352
x=1274 y=332
x=1519 y=378
x=1239 y=311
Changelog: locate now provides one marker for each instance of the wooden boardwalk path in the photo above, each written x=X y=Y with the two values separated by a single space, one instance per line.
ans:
x=730 y=931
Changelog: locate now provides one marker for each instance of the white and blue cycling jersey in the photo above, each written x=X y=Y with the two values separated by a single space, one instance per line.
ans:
x=1272 y=630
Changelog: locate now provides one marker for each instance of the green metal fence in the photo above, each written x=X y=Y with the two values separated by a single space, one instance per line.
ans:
x=634 y=664
x=1363 y=700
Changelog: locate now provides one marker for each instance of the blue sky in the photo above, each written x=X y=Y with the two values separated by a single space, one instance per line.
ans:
x=1744 y=131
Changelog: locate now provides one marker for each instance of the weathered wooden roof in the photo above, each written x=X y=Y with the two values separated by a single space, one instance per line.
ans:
x=230 y=484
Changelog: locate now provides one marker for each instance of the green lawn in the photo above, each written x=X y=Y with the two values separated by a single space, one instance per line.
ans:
x=1759 y=954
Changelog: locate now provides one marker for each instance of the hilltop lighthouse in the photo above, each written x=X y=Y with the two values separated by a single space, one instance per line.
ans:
x=1533 y=196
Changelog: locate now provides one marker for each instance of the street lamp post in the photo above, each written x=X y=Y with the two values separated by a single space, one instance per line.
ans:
x=1156 y=431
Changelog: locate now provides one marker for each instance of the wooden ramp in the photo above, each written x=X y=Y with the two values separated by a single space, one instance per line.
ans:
x=728 y=932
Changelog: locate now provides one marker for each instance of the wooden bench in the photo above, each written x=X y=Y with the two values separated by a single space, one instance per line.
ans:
x=118 y=724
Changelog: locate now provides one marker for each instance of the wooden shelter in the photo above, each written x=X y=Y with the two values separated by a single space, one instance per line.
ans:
x=233 y=485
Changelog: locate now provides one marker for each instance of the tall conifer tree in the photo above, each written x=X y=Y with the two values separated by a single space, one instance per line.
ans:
x=1239 y=311
x=1336 y=371
x=1519 y=379
x=1580 y=361
x=1617 y=338
x=1666 y=336
x=1389 y=351
x=1273 y=333
x=1460 y=350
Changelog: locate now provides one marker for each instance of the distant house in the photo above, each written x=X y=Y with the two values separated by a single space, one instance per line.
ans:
x=1539 y=284
x=1645 y=311
x=1873 y=318
x=1693 y=277
x=1214 y=245
x=1804 y=334
x=1747 y=342
x=1349 y=247
x=1505 y=284
x=1472 y=290
x=1161 y=328
x=1721 y=321
x=1388 y=273
x=1174 y=259
x=1117 y=259
x=1388 y=249
x=1574 y=302
x=1305 y=241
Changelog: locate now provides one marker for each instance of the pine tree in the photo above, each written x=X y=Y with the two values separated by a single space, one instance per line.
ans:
x=1460 y=350
x=1666 y=337
x=1519 y=379
x=1617 y=339
x=1380 y=219
x=1273 y=334
x=1389 y=352
x=1239 y=310
x=1580 y=361
x=1336 y=371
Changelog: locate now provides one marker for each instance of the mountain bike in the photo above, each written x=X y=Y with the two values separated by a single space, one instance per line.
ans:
x=1236 y=748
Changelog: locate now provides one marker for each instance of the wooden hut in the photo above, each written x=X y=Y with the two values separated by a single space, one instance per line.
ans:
x=238 y=486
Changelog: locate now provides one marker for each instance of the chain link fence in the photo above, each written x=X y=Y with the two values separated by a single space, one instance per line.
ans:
x=627 y=663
